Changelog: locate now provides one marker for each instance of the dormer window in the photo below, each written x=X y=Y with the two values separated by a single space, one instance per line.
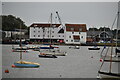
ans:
x=35 y=25
x=80 y=29
x=72 y=29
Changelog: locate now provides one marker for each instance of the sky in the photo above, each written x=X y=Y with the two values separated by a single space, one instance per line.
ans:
x=94 y=14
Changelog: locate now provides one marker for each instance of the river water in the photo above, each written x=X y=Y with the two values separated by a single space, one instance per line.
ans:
x=79 y=63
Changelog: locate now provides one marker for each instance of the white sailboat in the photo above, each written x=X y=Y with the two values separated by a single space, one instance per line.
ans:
x=49 y=53
x=111 y=58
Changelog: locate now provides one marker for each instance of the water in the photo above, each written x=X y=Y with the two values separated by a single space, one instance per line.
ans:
x=79 y=63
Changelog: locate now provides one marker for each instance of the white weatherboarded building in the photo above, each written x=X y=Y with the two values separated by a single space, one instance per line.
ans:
x=45 y=32
x=75 y=33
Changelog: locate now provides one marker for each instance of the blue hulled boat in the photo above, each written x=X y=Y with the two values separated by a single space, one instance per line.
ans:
x=25 y=64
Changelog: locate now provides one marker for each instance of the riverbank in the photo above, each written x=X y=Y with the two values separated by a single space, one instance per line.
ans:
x=87 y=44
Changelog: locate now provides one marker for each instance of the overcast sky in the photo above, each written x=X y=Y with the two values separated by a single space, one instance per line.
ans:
x=92 y=13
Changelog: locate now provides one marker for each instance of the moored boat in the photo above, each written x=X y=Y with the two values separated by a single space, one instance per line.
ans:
x=47 y=56
x=54 y=52
x=94 y=48
x=25 y=64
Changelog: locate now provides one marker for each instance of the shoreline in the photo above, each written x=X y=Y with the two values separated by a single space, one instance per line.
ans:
x=90 y=44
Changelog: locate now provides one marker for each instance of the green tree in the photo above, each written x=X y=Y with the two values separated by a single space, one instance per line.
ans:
x=93 y=29
x=10 y=22
x=102 y=29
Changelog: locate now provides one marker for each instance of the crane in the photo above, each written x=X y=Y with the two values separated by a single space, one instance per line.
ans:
x=59 y=19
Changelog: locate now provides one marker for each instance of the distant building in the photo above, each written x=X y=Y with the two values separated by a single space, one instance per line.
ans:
x=15 y=32
x=99 y=36
x=46 y=32
x=75 y=33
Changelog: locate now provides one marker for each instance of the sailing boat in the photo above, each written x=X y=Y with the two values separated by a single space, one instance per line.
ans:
x=22 y=63
x=47 y=46
x=110 y=58
x=95 y=46
x=51 y=53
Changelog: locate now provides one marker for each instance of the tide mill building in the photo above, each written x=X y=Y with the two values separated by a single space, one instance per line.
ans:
x=70 y=34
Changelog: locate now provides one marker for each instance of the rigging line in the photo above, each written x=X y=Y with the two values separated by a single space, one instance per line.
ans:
x=111 y=57
x=112 y=44
x=104 y=58
x=49 y=19
x=116 y=29
x=114 y=22
x=104 y=43
x=102 y=51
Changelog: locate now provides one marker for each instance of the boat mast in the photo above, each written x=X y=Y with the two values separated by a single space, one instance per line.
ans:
x=94 y=38
x=50 y=27
x=20 y=43
x=104 y=38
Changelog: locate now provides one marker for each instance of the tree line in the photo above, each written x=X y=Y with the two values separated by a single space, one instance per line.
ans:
x=10 y=23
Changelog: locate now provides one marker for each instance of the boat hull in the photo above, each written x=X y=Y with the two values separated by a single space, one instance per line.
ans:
x=56 y=54
x=47 y=56
x=17 y=65
x=20 y=50
x=109 y=76
x=108 y=58
x=25 y=64
x=46 y=47
x=74 y=47
x=93 y=48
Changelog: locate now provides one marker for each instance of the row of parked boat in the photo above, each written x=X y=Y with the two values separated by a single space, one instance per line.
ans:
x=45 y=51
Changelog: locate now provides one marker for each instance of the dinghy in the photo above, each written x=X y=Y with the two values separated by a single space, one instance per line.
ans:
x=25 y=64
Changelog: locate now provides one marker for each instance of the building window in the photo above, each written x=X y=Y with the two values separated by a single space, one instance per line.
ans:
x=48 y=35
x=52 y=31
x=34 y=31
x=48 y=31
x=81 y=36
x=63 y=35
x=71 y=40
x=59 y=35
x=80 y=29
x=76 y=40
x=38 y=35
x=72 y=32
x=79 y=32
x=34 y=35
x=72 y=29
x=38 y=31
x=52 y=36
x=54 y=26
x=66 y=40
x=69 y=36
